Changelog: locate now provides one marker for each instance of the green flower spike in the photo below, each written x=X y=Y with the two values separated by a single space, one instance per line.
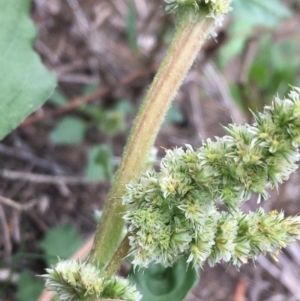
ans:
x=120 y=288
x=73 y=280
x=174 y=212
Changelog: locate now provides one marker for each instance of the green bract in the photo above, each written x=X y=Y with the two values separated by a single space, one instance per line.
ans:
x=174 y=212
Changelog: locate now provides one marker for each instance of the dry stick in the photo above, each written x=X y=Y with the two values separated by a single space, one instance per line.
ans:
x=284 y=276
x=240 y=290
x=42 y=179
x=15 y=205
x=6 y=238
x=29 y=157
x=88 y=98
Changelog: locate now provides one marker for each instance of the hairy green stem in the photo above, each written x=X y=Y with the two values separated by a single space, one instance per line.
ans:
x=192 y=30
x=118 y=256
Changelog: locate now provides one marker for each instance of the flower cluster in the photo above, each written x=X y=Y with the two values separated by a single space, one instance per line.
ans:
x=121 y=289
x=73 y=280
x=215 y=8
x=174 y=212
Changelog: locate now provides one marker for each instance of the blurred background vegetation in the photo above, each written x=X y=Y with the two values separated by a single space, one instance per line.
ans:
x=58 y=165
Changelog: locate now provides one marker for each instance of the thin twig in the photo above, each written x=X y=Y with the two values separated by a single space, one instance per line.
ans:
x=16 y=232
x=216 y=82
x=80 y=17
x=78 y=79
x=197 y=114
x=42 y=179
x=6 y=238
x=15 y=205
x=240 y=290
x=248 y=56
x=29 y=157
x=285 y=276
x=89 y=97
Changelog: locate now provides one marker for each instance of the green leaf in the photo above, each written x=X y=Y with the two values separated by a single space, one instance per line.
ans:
x=239 y=31
x=69 y=130
x=274 y=65
x=124 y=106
x=112 y=122
x=87 y=89
x=261 y=12
x=61 y=242
x=25 y=84
x=131 y=27
x=100 y=163
x=174 y=115
x=285 y=54
x=28 y=287
x=161 y=284
x=57 y=98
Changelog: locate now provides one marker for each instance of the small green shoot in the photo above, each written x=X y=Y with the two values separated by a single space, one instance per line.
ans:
x=100 y=163
x=69 y=130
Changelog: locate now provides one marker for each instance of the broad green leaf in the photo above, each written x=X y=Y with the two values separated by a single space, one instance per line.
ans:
x=29 y=287
x=261 y=12
x=69 y=130
x=100 y=163
x=61 y=242
x=157 y=283
x=25 y=84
